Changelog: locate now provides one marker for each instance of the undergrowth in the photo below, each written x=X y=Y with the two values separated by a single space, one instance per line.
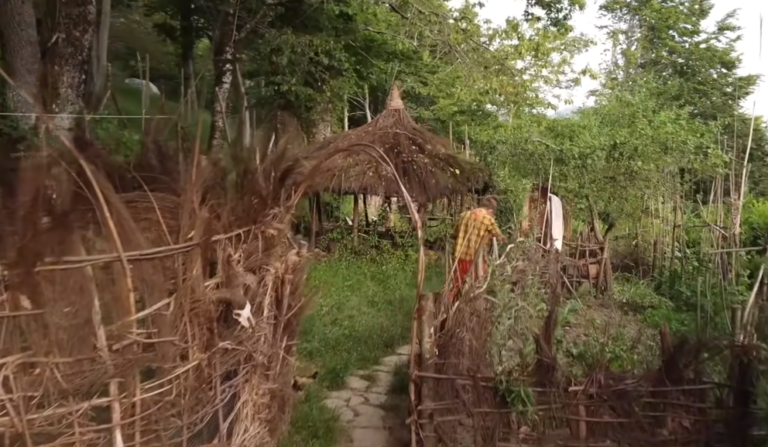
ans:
x=362 y=311
x=123 y=135
x=313 y=424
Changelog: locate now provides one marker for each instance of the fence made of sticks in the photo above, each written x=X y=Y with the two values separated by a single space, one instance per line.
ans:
x=461 y=399
x=147 y=316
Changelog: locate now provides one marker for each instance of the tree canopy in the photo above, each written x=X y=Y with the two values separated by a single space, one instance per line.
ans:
x=668 y=105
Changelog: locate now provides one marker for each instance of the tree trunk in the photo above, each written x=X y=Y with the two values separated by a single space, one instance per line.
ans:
x=99 y=71
x=21 y=58
x=70 y=29
x=223 y=72
x=322 y=122
x=320 y=129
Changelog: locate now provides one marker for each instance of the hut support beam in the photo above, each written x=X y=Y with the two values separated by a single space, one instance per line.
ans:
x=355 y=217
x=392 y=205
x=365 y=208
x=313 y=204
x=319 y=212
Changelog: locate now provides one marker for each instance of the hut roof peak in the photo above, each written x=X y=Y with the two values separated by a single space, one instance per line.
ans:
x=395 y=101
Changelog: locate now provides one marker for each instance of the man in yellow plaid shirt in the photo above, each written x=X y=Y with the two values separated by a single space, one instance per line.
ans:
x=473 y=233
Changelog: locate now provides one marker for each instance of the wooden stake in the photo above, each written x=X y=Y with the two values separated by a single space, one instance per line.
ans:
x=427 y=363
x=466 y=141
x=313 y=222
x=355 y=217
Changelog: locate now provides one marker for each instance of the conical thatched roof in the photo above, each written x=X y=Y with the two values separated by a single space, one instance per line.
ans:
x=425 y=162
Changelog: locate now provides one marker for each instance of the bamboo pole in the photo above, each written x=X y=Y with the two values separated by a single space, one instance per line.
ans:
x=355 y=217
x=427 y=348
x=143 y=93
x=103 y=350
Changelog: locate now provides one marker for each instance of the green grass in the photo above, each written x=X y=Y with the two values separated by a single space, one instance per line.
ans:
x=362 y=312
x=313 y=424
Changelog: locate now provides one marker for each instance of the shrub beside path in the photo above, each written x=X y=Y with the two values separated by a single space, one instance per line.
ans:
x=363 y=405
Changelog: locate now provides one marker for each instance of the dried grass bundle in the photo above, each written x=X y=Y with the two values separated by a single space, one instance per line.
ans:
x=146 y=317
x=424 y=162
x=463 y=350
x=154 y=279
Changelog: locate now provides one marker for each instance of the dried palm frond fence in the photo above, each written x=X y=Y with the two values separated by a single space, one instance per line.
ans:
x=462 y=399
x=134 y=317
x=106 y=337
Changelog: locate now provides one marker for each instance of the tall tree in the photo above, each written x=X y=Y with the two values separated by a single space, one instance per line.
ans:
x=184 y=23
x=696 y=65
x=21 y=59
x=69 y=33
x=56 y=76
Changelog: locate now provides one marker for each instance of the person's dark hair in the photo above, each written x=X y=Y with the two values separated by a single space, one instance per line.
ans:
x=489 y=202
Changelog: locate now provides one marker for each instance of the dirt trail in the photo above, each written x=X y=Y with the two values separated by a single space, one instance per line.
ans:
x=372 y=416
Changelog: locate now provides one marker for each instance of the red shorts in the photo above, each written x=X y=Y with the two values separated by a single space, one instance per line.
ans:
x=463 y=268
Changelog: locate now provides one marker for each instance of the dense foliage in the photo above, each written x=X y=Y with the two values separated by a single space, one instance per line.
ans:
x=666 y=125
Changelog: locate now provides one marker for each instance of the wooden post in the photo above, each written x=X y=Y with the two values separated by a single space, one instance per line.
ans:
x=448 y=256
x=312 y=222
x=355 y=217
x=365 y=209
x=319 y=213
x=427 y=351
x=392 y=204
x=654 y=257
x=736 y=312
x=466 y=142
x=420 y=209
x=582 y=423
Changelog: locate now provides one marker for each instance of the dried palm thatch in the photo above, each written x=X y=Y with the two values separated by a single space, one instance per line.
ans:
x=425 y=162
x=169 y=363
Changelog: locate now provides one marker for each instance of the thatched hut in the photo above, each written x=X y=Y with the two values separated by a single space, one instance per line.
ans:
x=424 y=162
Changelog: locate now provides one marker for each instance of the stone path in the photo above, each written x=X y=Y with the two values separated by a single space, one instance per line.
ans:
x=361 y=404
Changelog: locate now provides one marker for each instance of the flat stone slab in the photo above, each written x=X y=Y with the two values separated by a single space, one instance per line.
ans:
x=393 y=360
x=359 y=404
x=384 y=368
x=375 y=399
x=335 y=404
x=343 y=395
x=356 y=400
x=357 y=384
x=369 y=437
x=383 y=379
x=378 y=389
x=346 y=415
x=368 y=417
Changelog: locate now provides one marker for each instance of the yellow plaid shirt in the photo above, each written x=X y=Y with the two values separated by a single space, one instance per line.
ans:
x=473 y=232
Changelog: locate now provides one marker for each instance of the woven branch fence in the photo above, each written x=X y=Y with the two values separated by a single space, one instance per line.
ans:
x=460 y=400
x=146 y=318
